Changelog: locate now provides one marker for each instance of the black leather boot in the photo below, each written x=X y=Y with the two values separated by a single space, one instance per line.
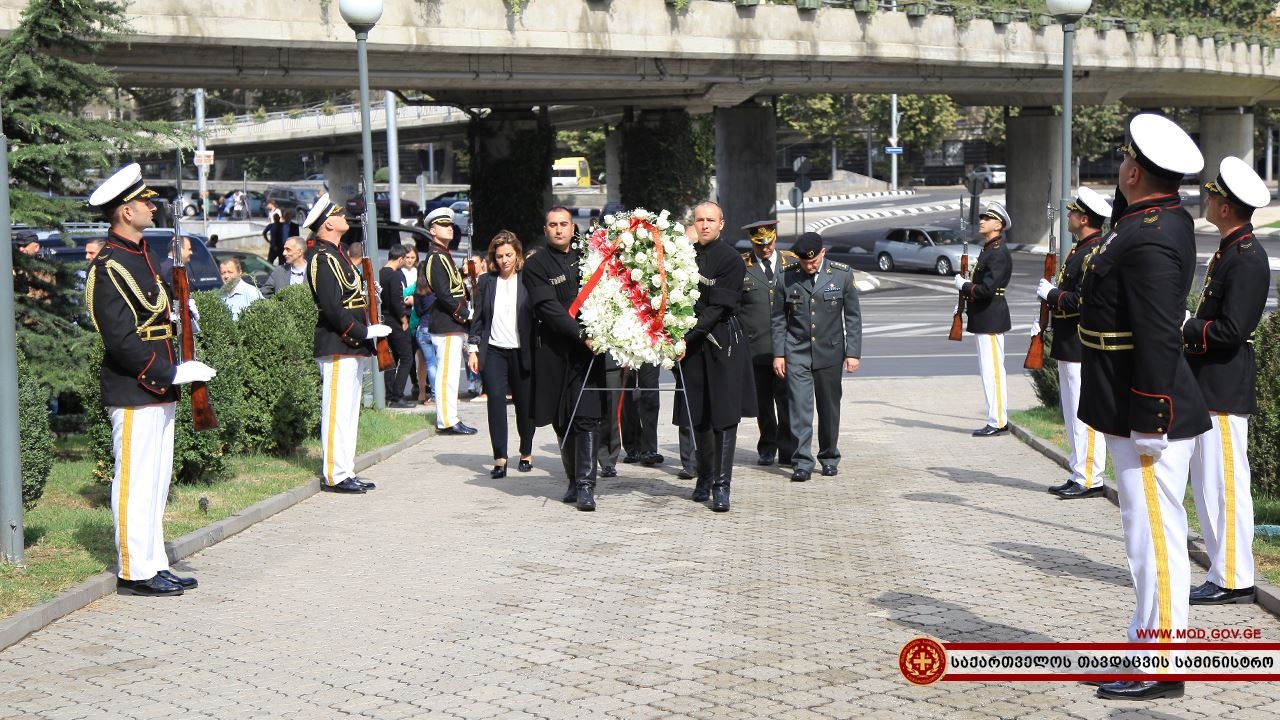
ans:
x=705 y=457
x=726 y=442
x=585 y=469
x=567 y=459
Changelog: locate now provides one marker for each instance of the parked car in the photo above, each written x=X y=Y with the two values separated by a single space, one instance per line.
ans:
x=462 y=216
x=390 y=233
x=993 y=174
x=202 y=270
x=925 y=247
x=254 y=265
x=295 y=198
x=382 y=202
x=446 y=199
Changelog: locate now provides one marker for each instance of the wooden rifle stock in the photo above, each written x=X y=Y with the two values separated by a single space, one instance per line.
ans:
x=1035 y=353
x=957 y=322
x=372 y=317
x=202 y=415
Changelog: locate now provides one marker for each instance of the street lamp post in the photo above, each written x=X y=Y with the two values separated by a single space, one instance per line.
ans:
x=361 y=16
x=12 y=537
x=1067 y=12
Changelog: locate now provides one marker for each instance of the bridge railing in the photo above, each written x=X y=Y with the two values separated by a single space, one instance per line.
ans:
x=325 y=117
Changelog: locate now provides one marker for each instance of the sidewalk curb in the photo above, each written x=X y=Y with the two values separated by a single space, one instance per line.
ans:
x=1268 y=595
x=785 y=204
x=20 y=625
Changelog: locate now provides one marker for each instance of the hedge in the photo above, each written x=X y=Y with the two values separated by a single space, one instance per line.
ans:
x=35 y=440
x=1264 y=426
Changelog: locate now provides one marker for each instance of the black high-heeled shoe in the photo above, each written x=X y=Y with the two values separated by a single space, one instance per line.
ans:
x=498 y=472
x=525 y=465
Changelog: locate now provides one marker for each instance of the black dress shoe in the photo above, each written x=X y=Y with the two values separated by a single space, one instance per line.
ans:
x=988 y=431
x=1140 y=690
x=1059 y=488
x=457 y=429
x=364 y=483
x=765 y=460
x=1079 y=492
x=631 y=457
x=524 y=465
x=608 y=471
x=186 y=583
x=828 y=469
x=402 y=404
x=1211 y=594
x=799 y=475
x=651 y=458
x=498 y=472
x=155 y=586
x=349 y=486
x=686 y=474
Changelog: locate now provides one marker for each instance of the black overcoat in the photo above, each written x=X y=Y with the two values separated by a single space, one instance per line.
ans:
x=560 y=355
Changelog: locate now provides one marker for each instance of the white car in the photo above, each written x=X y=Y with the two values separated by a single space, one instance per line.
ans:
x=926 y=247
x=462 y=216
x=994 y=174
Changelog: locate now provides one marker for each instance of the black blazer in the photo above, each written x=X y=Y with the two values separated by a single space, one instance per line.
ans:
x=482 y=318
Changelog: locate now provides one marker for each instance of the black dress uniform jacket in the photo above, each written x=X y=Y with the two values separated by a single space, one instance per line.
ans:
x=336 y=288
x=130 y=310
x=819 y=321
x=1217 y=338
x=718 y=381
x=759 y=295
x=560 y=357
x=450 y=312
x=1064 y=301
x=988 y=310
x=1134 y=376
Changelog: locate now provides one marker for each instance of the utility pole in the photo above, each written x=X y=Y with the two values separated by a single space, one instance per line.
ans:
x=11 y=531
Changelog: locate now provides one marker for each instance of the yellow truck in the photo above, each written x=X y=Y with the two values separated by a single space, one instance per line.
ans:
x=571 y=172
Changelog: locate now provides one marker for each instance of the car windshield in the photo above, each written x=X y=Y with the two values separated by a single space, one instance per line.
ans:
x=947 y=237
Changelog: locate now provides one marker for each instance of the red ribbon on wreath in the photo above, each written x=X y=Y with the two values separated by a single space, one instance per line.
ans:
x=638 y=295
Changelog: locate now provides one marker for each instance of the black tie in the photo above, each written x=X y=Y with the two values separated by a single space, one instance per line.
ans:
x=768 y=271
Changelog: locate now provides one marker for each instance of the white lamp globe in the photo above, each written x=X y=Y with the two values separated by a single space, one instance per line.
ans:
x=360 y=12
x=1067 y=11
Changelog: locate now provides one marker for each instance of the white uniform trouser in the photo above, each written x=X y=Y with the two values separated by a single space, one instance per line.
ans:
x=449 y=358
x=142 y=441
x=1220 y=485
x=341 y=383
x=1155 y=531
x=1086 y=447
x=991 y=367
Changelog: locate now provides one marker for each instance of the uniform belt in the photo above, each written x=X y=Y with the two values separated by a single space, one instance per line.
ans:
x=355 y=304
x=1066 y=315
x=1121 y=340
x=155 y=332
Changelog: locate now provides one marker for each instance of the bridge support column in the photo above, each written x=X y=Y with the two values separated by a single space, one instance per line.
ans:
x=1034 y=141
x=342 y=174
x=1223 y=132
x=612 y=165
x=746 y=176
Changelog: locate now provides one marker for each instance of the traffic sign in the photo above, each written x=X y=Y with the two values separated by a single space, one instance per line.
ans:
x=893 y=140
x=204 y=157
x=892 y=150
x=795 y=197
x=800 y=165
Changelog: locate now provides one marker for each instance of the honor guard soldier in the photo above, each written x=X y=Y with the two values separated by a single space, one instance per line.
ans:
x=130 y=309
x=1086 y=447
x=817 y=331
x=1220 y=353
x=342 y=346
x=715 y=366
x=561 y=354
x=765 y=265
x=989 y=313
x=1136 y=385
x=448 y=321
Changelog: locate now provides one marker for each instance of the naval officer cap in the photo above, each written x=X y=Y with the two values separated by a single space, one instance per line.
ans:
x=1159 y=145
x=762 y=232
x=321 y=211
x=808 y=246
x=124 y=186
x=996 y=211
x=438 y=213
x=1239 y=183
x=1089 y=202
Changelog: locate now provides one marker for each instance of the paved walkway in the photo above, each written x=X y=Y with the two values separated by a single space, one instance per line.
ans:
x=447 y=594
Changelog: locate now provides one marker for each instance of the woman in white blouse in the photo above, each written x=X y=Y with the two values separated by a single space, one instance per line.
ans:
x=500 y=348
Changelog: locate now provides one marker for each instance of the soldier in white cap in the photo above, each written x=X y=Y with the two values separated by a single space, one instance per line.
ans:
x=988 y=313
x=341 y=346
x=1086 y=447
x=1136 y=385
x=1221 y=357
x=448 y=322
x=139 y=378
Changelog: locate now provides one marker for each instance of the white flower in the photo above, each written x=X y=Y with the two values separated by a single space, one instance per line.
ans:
x=608 y=219
x=656 y=302
x=642 y=232
x=636 y=274
x=656 y=280
x=627 y=238
x=676 y=295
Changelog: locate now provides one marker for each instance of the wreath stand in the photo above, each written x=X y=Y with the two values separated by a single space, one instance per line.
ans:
x=680 y=388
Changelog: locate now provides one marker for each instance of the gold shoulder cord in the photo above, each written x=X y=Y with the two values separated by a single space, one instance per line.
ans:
x=119 y=274
x=455 y=278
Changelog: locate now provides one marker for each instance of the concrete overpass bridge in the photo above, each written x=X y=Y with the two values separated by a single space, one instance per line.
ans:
x=709 y=56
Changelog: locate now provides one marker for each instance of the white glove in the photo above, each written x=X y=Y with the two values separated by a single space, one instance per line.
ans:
x=1151 y=445
x=376 y=331
x=1035 y=328
x=958 y=281
x=1042 y=291
x=192 y=371
x=1186 y=318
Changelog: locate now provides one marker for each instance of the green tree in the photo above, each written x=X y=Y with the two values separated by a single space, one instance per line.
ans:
x=667 y=156
x=822 y=118
x=924 y=122
x=1242 y=13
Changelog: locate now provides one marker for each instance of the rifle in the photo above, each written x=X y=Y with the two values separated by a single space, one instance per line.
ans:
x=1035 y=353
x=202 y=415
x=957 y=322
x=372 y=317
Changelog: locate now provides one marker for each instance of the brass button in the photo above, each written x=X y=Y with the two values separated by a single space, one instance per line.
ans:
x=1159 y=429
x=1160 y=415
x=1162 y=401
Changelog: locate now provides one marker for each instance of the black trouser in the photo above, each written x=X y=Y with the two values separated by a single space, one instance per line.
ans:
x=610 y=440
x=775 y=428
x=500 y=372
x=640 y=410
x=275 y=252
x=402 y=351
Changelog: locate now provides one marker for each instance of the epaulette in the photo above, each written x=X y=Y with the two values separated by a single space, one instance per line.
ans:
x=839 y=265
x=746 y=256
x=789 y=254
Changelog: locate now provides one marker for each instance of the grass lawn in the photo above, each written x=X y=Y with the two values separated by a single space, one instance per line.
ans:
x=69 y=533
x=1046 y=423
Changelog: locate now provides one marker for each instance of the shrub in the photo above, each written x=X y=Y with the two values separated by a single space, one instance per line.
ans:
x=1264 y=426
x=1045 y=380
x=280 y=379
x=35 y=441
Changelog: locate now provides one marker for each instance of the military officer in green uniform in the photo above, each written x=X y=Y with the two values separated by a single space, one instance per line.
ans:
x=765 y=265
x=817 y=331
